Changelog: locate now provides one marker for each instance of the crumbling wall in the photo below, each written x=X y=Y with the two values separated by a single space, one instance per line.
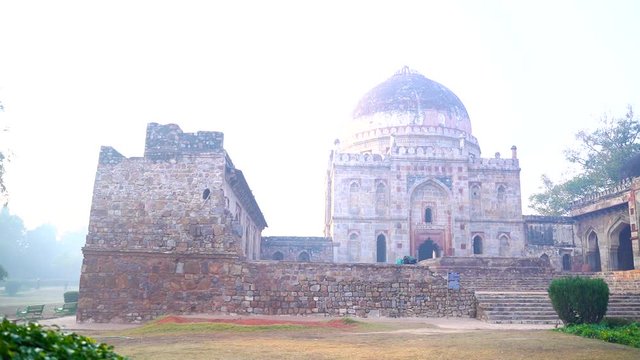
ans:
x=138 y=286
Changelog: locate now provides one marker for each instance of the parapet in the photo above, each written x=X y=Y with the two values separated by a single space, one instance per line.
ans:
x=168 y=142
x=109 y=155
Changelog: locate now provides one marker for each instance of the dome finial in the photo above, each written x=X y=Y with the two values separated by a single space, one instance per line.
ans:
x=405 y=71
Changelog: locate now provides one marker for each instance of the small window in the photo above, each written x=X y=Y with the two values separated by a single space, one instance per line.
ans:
x=428 y=216
x=501 y=193
x=477 y=245
x=354 y=187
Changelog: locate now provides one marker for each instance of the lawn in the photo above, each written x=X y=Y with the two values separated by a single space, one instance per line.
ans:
x=363 y=340
x=51 y=296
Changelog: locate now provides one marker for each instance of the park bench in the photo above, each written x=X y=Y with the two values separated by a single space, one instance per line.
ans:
x=66 y=309
x=32 y=312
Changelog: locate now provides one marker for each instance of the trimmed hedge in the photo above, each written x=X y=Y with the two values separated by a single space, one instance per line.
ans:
x=31 y=341
x=579 y=300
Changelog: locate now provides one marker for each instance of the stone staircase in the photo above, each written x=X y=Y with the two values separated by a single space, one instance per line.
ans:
x=523 y=307
x=515 y=290
x=624 y=306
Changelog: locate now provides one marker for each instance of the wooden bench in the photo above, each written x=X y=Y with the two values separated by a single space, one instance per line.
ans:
x=67 y=309
x=32 y=312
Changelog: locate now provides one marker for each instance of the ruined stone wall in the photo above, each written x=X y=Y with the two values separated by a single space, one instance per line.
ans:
x=137 y=286
x=183 y=195
x=553 y=237
x=144 y=204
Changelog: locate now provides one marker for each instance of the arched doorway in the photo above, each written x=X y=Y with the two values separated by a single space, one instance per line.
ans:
x=593 y=254
x=303 y=257
x=477 y=245
x=428 y=250
x=381 y=249
x=277 y=256
x=625 y=250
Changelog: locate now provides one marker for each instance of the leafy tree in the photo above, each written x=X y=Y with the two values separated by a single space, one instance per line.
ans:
x=604 y=157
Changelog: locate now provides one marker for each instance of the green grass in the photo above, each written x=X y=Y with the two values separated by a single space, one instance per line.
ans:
x=159 y=328
x=618 y=334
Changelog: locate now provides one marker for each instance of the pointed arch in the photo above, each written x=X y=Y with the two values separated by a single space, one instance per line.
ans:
x=304 y=257
x=428 y=215
x=620 y=247
x=593 y=250
x=381 y=197
x=477 y=245
x=354 y=197
x=381 y=248
x=278 y=255
x=505 y=244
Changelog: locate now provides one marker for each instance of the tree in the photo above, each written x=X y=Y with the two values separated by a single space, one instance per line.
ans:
x=604 y=158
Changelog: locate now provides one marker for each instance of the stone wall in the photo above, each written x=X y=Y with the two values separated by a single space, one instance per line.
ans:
x=138 y=286
x=553 y=237
x=621 y=282
x=296 y=248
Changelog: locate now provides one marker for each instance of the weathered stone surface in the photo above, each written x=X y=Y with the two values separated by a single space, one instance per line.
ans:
x=232 y=286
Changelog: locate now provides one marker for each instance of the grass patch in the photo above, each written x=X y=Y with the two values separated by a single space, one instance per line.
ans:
x=610 y=331
x=203 y=327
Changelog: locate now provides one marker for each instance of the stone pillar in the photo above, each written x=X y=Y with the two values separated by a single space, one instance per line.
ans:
x=635 y=245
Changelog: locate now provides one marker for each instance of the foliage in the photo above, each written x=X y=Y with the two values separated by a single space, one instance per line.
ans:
x=614 y=322
x=70 y=296
x=32 y=341
x=628 y=334
x=601 y=156
x=11 y=287
x=3 y=273
x=37 y=253
x=579 y=300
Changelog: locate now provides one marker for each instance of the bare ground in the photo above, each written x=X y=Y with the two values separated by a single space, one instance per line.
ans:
x=382 y=338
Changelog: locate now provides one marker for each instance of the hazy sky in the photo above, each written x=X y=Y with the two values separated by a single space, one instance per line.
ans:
x=281 y=78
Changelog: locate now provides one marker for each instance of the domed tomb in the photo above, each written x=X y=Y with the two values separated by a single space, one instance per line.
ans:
x=407 y=105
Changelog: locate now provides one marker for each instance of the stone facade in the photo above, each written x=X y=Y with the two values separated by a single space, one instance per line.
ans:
x=296 y=248
x=184 y=195
x=407 y=179
x=553 y=239
x=137 y=285
x=176 y=231
x=607 y=225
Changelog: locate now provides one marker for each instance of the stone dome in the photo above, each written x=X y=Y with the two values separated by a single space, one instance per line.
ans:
x=410 y=98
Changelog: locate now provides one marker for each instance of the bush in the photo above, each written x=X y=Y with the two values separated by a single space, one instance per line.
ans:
x=70 y=296
x=623 y=334
x=11 y=288
x=613 y=322
x=579 y=300
x=31 y=341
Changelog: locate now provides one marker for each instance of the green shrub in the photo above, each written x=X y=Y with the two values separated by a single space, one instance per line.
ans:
x=31 y=341
x=613 y=322
x=70 y=296
x=11 y=288
x=623 y=334
x=579 y=300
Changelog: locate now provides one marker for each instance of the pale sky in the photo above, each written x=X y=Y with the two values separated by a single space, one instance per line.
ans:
x=281 y=78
